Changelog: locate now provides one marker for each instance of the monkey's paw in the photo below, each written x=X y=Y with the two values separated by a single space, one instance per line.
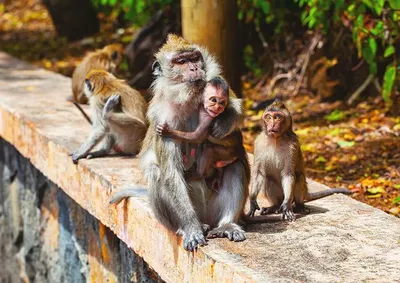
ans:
x=253 y=207
x=193 y=240
x=111 y=103
x=269 y=210
x=163 y=130
x=232 y=231
x=287 y=213
x=206 y=228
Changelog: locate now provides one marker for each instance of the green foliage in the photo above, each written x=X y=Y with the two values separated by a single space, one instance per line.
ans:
x=136 y=11
x=336 y=115
x=374 y=25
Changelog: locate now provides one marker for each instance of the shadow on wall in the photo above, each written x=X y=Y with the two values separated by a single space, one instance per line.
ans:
x=47 y=237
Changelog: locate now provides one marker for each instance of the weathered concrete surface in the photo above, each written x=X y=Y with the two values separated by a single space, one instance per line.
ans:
x=46 y=237
x=342 y=240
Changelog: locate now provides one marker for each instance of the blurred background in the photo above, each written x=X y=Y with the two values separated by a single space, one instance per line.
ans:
x=334 y=63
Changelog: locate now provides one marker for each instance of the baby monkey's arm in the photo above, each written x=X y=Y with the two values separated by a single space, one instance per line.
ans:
x=198 y=136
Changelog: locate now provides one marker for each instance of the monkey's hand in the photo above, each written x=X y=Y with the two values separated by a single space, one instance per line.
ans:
x=253 y=207
x=111 y=103
x=163 y=130
x=287 y=212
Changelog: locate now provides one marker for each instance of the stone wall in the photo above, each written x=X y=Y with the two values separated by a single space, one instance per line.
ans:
x=47 y=237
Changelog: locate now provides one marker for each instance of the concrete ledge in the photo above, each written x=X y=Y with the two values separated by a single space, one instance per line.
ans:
x=341 y=240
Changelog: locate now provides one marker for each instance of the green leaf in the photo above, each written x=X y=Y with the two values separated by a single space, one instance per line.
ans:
x=367 y=52
x=336 y=115
x=378 y=28
x=334 y=132
x=346 y=144
x=376 y=190
x=320 y=159
x=389 y=51
x=394 y=4
x=372 y=45
x=396 y=200
x=397 y=186
x=265 y=6
x=388 y=81
x=373 y=69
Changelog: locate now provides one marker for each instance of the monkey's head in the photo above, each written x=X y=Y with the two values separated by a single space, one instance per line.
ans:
x=180 y=61
x=276 y=119
x=99 y=83
x=115 y=53
x=216 y=96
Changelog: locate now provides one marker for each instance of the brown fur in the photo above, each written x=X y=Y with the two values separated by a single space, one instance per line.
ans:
x=118 y=116
x=278 y=167
x=99 y=59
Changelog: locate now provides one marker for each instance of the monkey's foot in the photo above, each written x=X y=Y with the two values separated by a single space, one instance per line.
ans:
x=301 y=208
x=269 y=210
x=112 y=103
x=287 y=213
x=191 y=240
x=206 y=228
x=231 y=230
x=253 y=207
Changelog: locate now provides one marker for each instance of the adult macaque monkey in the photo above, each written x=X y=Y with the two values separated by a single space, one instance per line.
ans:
x=118 y=116
x=182 y=70
x=108 y=59
x=279 y=167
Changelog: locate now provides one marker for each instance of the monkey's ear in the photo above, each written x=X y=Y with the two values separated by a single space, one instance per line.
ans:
x=156 y=69
x=114 y=55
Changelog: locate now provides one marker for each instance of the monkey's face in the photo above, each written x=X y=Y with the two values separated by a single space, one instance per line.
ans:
x=275 y=123
x=187 y=67
x=215 y=100
x=88 y=88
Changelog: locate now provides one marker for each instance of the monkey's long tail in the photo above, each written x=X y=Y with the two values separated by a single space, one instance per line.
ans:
x=325 y=193
x=83 y=112
x=128 y=192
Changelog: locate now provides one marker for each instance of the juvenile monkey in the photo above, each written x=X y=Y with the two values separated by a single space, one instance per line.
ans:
x=215 y=99
x=181 y=71
x=108 y=59
x=279 y=167
x=118 y=116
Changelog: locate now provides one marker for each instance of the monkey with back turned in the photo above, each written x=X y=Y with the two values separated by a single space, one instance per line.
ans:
x=107 y=58
x=119 y=122
x=278 y=167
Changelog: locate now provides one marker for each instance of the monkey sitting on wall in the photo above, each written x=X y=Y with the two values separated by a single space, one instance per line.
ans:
x=278 y=167
x=182 y=70
x=118 y=116
x=108 y=59
x=216 y=98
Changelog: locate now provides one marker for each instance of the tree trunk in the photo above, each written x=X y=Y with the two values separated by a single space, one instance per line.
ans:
x=74 y=19
x=214 y=24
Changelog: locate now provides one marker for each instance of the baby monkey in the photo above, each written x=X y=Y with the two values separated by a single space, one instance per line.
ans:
x=278 y=167
x=216 y=153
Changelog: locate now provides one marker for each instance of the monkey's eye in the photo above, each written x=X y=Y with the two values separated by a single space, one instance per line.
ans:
x=278 y=117
x=194 y=59
x=88 y=84
x=268 y=117
x=180 y=61
x=213 y=99
x=222 y=103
